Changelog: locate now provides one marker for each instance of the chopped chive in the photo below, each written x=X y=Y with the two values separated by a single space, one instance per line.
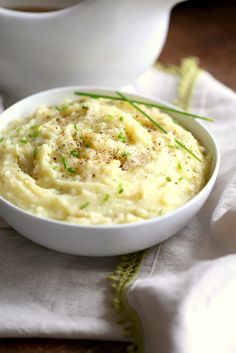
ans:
x=2 y=139
x=121 y=136
x=106 y=197
x=148 y=104
x=65 y=107
x=19 y=129
x=35 y=151
x=179 y=165
x=74 y=153
x=120 y=188
x=109 y=117
x=84 y=107
x=35 y=127
x=86 y=204
x=76 y=127
x=64 y=162
x=62 y=108
x=36 y=131
x=168 y=179
x=65 y=165
x=121 y=118
x=71 y=170
x=55 y=167
x=34 y=134
x=23 y=141
x=160 y=213
x=87 y=145
x=125 y=154
x=181 y=178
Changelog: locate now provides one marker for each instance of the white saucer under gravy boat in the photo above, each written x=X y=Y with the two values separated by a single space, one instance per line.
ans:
x=86 y=42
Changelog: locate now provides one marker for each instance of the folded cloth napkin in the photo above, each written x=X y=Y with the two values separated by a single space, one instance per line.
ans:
x=187 y=304
x=182 y=298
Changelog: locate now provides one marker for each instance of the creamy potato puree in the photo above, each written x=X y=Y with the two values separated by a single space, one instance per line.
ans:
x=99 y=162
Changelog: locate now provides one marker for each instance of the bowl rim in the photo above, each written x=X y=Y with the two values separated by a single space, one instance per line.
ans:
x=111 y=226
x=11 y=12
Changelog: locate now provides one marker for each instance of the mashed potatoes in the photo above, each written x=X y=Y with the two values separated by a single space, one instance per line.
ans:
x=99 y=162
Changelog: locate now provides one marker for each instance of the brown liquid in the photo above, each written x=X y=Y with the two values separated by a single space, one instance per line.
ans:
x=32 y=9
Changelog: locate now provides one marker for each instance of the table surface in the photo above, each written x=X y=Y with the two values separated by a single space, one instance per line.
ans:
x=207 y=31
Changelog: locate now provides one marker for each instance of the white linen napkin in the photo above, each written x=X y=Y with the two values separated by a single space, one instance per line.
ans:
x=184 y=293
x=187 y=304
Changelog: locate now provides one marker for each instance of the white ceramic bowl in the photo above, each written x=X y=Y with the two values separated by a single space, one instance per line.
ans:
x=103 y=240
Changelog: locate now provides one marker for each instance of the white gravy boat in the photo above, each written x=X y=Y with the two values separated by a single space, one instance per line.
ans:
x=88 y=42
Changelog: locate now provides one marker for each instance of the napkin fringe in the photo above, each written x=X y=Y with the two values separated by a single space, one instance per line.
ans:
x=125 y=273
x=188 y=72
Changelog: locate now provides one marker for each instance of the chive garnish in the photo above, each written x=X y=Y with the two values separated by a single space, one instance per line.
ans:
x=74 y=153
x=19 y=129
x=1 y=139
x=168 y=179
x=148 y=104
x=23 y=141
x=35 y=127
x=121 y=136
x=179 y=166
x=36 y=131
x=109 y=117
x=87 y=145
x=76 y=127
x=65 y=165
x=120 y=188
x=86 y=204
x=125 y=154
x=64 y=162
x=55 y=167
x=157 y=125
x=62 y=108
x=121 y=118
x=34 y=134
x=35 y=151
x=71 y=170
x=106 y=197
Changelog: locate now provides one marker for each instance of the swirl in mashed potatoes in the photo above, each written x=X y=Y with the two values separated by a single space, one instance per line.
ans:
x=99 y=162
